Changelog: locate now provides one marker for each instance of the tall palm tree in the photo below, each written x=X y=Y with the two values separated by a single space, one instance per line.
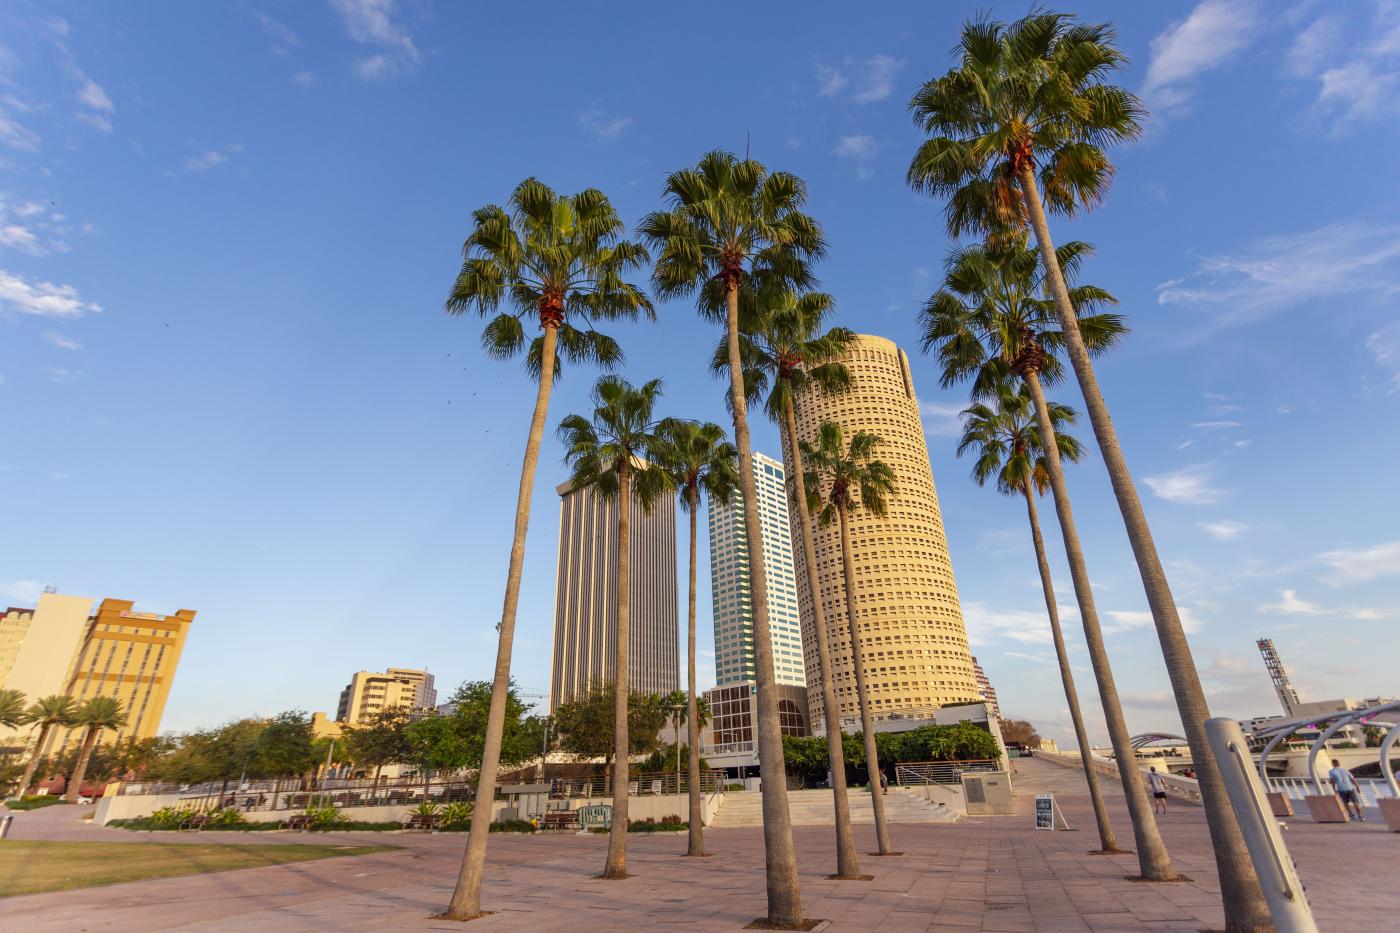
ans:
x=697 y=457
x=605 y=451
x=12 y=708
x=991 y=322
x=785 y=354
x=854 y=479
x=46 y=713
x=95 y=715
x=1005 y=438
x=559 y=260
x=1033 y=96
x=728 y=219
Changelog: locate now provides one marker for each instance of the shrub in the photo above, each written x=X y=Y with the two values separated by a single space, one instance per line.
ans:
x=169 y=817
x=736 y=786
x=671 y=824
x=457 y=816
x=513 y=826
x=225 y=819
x=328 y=817
x=426 y=808
x=35 y=802
x=355 y=826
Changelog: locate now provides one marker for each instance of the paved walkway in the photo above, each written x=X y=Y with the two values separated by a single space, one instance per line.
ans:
x=989 y=873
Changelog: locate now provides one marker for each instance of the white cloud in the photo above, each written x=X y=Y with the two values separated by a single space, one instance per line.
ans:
x=1359 y=565
x=1223 y=530
x=23 y=592
x=1313 y=47
x=868 y=81
x=1206 y=39
x=1384 y=346
x=1128 y=620
x=1290 y=603
x=13 y=236
x=91 y=96
x=44 y=299
x=859 y=148
x=603 y=125
x=60 y=341
x=1281 y=272
x=1357 y=75
x=830 y=81
x=942 y=420
x=281 y=34
x=97 y=107
x=16 y=135
x=211 y=158
x=1189 y=485
x=371 y=22
x=986 y=625
x=61 y=375
x=304 y=79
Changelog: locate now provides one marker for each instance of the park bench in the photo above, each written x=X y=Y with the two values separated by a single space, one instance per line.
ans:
x=422 y=821
x=300 y=821
x=195 y=821
x=559 y=821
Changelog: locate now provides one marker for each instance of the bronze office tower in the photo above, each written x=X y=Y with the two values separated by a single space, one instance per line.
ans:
x=585 y=600
x=913 y=640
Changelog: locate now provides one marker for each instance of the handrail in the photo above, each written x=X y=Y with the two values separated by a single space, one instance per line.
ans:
x=941 y=772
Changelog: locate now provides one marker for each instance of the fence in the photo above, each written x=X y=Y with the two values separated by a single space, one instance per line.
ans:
x=648 y=783
x=1296 y=788
x=1182 y=788
x=941 y=772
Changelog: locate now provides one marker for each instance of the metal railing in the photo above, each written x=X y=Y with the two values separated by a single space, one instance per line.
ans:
x=1182 y=788
x=1296 y=788
x=941 y=772
x=648 y=783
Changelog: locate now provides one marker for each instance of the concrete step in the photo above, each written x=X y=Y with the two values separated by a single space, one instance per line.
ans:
x=814 y=808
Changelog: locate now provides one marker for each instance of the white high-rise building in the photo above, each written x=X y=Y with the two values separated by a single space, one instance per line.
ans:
x=729 y=583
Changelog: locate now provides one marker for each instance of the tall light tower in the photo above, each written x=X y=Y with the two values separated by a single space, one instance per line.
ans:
x=1274 y=665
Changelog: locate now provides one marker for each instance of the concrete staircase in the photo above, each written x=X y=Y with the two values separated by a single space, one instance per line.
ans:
x=814 y=808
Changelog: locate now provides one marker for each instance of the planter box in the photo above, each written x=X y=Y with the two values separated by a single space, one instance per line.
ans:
x=1280 y=804
x=1327 y=808
x=1390 y=809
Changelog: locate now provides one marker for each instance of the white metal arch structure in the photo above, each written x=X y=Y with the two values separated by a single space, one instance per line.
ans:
x=1338 y=721
x=1386 y=770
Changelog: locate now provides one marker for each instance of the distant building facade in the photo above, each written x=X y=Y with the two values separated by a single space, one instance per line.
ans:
x=369 y=693
x=729 y=582
x=913 y=640
x=61 y=647
x=585 y=600
x=985 y=690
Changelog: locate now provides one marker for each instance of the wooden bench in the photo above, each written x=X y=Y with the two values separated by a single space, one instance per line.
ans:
x=195 y=821
x=559 y=821
x=298 y=821
x=430 y=821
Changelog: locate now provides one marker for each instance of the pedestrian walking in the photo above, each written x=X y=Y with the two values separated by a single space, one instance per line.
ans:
x=1159 y=791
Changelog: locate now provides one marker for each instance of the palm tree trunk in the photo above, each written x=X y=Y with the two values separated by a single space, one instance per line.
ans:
x=867 y=725
x=466 y=897
x=33 y=765
x=692 y=702
x=847 y=865
x=780 y=862
x=616 y=866
x=1245 y=907
x=74 y=790
x=1152 y=852
x=1108 y=842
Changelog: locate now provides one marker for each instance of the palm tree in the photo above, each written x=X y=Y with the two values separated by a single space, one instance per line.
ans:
x=1006 y=440
x=12 y=708
x=558 y=259
x=786 y=354
x=696 y=456
x=95 y=715
x=1033 y=95
x=854 y=480
x=990 y=322
x=46 y=712
x=605 y=451
x=727 y=220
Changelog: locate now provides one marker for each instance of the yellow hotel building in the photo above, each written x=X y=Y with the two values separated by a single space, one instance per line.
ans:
x=913 y=640
x=61 y=647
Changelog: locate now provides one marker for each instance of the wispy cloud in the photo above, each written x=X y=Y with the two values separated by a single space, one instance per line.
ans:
x=860 y=149
x=1123 y=620
x=24 y=593
x=1356 y=65
x=1190 y=486
x=1206 y=39
x=43 y=299
x=1359 y=565
x=212 y=158
x=1282 y=272
x=281 y=34
x=372 y=23
x=62 y=374
x=1384 y=346
x=304 y=79
x=60 y=341
x=16 y=135
x=986 y=625
x=940 y=419
x=1290 y=603
x=1223 y=530
x=867 y=81
x=603 y=125
x=95 y=106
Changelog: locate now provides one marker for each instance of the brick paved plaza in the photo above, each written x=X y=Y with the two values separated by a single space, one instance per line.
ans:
x=983 y=873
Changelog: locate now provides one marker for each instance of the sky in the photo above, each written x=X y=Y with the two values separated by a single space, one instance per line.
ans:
x=227 y=382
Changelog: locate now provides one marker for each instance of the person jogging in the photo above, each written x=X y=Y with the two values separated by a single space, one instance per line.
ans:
x=1345 y=786
x=1159 y=791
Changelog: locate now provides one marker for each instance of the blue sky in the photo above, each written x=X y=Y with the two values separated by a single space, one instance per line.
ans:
x=226 y=231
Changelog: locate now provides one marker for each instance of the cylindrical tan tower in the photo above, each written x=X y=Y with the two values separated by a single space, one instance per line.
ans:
x=911 y=627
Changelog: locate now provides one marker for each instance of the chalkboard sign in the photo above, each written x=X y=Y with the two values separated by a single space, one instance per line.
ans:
x=1045 y=811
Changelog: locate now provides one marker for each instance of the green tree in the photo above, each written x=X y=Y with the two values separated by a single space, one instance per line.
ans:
x=284 y=748
x=605 y=451
x=12 y=708
x=379 y=740
x=696 y=457
x=560 y=260
x=1006 y=440
x=455 y=742
x=95 y=716
x=786 y=356
x=586 y=726
x=728 y=219
x=46 y=713
x=853 y=479
x=1017 y=128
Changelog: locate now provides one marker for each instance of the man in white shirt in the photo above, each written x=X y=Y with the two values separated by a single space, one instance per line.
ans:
x=1345 y=786
x=1159 y=791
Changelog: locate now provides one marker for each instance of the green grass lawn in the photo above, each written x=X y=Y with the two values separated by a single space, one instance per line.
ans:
x=33 y=867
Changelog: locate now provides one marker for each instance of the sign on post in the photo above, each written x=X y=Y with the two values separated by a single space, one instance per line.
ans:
x=596 y=815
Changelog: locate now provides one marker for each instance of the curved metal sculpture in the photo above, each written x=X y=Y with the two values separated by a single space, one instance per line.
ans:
x=1148 y=739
